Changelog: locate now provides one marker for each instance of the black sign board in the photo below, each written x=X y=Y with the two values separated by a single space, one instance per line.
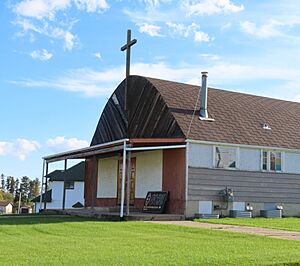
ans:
x=155 y=201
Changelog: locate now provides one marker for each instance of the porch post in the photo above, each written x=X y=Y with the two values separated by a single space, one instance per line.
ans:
x=93 y=181
x=42 y=186
x=128 y=182
x=46 y=186
x=123 y=180
x=64 y=191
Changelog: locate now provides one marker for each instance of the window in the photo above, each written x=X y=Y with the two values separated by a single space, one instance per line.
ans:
x=271 y=161
x=69 y=184
x=225 y=157
x=265 y=160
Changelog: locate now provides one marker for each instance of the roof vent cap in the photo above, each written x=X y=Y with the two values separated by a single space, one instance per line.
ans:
x=266 y=126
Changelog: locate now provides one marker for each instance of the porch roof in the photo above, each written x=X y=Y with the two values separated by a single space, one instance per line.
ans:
x=87 y=152
x=118 y=145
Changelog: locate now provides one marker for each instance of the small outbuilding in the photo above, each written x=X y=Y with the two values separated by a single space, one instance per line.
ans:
x=68 y=183
x=6 y=207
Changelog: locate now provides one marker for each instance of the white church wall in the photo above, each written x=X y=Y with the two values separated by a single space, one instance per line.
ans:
x=75 y=195
x=292 y=162
x=57 y=195
x=200 y=155
x=249 y=159
x=72 y=195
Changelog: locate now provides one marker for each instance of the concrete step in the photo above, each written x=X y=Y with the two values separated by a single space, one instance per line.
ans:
x=115 y=216
x=155 y=217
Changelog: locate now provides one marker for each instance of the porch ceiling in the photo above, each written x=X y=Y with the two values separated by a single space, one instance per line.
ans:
x=87 y=152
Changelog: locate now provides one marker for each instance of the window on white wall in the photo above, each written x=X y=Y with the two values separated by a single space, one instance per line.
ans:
x=271 y=161
x=69 y=184
x=225 y=157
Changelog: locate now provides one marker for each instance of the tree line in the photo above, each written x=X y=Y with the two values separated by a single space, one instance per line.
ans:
x=11 y=187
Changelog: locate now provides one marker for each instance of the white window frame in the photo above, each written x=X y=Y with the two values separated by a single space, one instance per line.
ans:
x=282 y=156
x=237 y=157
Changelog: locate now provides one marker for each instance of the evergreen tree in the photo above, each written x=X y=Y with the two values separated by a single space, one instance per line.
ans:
x=16 y=190
x=2 y=182
x=10 y=184
x=25 y=188
x=34 y=188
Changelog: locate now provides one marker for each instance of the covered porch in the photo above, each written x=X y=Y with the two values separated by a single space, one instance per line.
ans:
x=120 y=173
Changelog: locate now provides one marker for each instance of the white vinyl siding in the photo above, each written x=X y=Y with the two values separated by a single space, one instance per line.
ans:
x=248 y=159
x=225 y=157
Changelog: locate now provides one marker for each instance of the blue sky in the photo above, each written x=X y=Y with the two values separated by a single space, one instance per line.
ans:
x=61 y=59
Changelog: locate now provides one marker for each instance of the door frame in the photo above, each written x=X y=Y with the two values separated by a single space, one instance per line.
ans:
x=132 y=180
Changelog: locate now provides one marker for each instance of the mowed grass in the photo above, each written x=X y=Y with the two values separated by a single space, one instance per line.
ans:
x=48 y=240
x=291 y=224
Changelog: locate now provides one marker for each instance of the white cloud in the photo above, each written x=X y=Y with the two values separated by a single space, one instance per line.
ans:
x=101 y=83
x=92 y=5
x=268 y=30
x=46 y=29
x=42 y=55
x=98 y=55
x=210 y=7
x=212 y=57
x=27 y=25
x=155 y=3
x=19 y=148
x=61 y=143
x=40 y=9
x=42 y=17
x=178 y=29
x=69 y=40
x=84 y=81
x=47 y=9
x=59 y=33
x=226 y=26
x=150 y=29
x=201 y=36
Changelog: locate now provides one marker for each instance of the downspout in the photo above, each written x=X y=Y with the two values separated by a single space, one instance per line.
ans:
x=41 y=195
x=46 y=186
x=186 y=177
x=64 y=187
x=94 y=169
x=128 y=183
x=123 y=181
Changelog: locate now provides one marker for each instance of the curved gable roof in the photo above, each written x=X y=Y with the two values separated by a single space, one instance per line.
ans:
x=148 y=114
x=160 y=108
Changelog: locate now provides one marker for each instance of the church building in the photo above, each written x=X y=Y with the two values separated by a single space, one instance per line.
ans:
x=212 y=150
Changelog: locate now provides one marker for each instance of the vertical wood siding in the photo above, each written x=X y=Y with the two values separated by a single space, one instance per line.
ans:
x=148 y=114
x=174 y=179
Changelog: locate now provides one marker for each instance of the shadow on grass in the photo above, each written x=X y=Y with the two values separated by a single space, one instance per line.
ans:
x=39 y=219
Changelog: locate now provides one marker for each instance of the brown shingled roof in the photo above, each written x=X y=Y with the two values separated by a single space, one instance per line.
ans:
x=4 y=203
x=238 y=116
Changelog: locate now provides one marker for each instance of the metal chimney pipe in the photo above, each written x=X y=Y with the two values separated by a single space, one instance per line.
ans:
x=203 y=97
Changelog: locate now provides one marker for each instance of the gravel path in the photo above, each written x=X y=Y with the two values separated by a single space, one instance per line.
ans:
x=290 y=235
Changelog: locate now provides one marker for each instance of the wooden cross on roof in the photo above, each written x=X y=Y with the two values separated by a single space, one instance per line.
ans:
x=127 y=47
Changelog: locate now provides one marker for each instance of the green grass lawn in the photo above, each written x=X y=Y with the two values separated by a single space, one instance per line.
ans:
x=46 y=240
x=292 y=224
